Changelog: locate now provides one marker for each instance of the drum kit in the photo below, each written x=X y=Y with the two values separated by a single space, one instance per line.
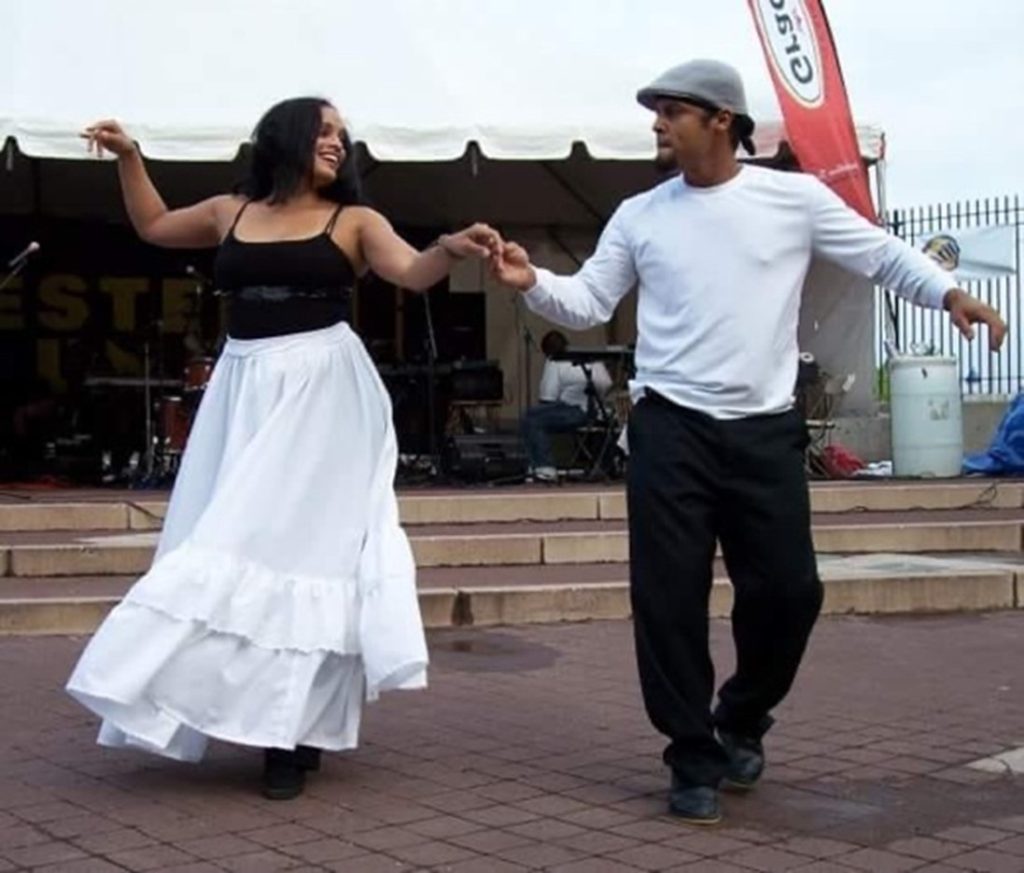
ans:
x=167 y=410
x=162 y=421
x=175 y=413
x=169 y=416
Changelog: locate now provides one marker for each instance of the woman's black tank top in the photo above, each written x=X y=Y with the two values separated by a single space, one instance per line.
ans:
x=281 y=287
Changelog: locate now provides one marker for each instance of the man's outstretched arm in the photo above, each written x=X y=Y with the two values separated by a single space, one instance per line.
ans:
x=586 y=298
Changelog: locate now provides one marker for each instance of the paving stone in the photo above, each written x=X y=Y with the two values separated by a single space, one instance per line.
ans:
x=531 y=751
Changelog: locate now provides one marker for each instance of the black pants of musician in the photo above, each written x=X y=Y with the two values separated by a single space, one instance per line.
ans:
x=694 y=480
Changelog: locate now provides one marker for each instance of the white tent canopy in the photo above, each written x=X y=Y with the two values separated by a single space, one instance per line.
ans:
x=518 y=112
x=417 y=80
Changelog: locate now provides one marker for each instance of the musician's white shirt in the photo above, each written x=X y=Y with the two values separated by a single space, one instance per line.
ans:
x=720 y=272
x=565 y=382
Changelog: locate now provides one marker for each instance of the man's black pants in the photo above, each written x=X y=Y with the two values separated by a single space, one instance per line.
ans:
x=694 y=480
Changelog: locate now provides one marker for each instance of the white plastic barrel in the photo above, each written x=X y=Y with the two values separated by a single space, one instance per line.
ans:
x=926 y=416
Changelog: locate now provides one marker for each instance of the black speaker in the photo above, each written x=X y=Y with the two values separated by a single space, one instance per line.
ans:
x=477 y=380
x=477 y=457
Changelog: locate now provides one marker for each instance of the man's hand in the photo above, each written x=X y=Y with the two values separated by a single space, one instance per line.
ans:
x=966 y=311
x=511 y=266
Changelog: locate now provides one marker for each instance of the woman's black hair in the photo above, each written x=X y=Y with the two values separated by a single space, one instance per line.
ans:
x=281 y=155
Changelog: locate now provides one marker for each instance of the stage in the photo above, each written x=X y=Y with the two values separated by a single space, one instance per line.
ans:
x=534 y=553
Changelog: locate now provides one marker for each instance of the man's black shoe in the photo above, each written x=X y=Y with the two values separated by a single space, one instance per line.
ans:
x=746 y=761
x=283 y=777
x=696 y=804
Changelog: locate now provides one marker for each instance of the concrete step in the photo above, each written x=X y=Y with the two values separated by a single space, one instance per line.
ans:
x=126 y=511
x=50 y=553
x=860 y=584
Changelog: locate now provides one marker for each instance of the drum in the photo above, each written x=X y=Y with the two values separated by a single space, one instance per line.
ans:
x=175 y=422
x=197 y=373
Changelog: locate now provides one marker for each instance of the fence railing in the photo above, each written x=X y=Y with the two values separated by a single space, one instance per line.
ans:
x=981 y=372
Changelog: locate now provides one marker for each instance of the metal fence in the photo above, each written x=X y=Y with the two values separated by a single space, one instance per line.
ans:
x=981 y=372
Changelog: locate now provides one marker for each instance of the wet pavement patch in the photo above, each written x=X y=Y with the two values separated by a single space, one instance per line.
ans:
x=488 y=652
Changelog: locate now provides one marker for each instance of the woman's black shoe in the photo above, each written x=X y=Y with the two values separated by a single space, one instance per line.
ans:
x=283 y=776
x=307 y=757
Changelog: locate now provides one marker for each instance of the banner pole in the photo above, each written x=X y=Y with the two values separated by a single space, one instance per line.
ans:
x=891 y=339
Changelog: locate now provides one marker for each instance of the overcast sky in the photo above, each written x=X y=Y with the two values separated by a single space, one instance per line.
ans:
x=945 y=80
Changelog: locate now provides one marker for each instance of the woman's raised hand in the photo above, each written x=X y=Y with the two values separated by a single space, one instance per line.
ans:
x=108 y=135
x=477 y=240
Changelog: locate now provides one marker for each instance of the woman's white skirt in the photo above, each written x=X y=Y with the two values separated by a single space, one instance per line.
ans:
x=283 y=590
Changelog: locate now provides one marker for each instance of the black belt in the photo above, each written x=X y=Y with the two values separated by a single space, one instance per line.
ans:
x=660 y=399
x=284 y=293
x=258 y=311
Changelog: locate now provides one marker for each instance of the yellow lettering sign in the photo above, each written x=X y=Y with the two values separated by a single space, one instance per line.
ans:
x=180 y=305
x=123 y=292
x=62 y=308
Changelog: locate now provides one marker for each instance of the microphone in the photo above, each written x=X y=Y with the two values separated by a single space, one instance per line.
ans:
x=193 y=273
x=23 y=255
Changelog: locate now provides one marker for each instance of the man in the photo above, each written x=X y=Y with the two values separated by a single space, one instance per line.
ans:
x=565 y=403
x=720 y=252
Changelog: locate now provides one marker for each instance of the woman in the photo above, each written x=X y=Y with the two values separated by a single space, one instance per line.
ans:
x=283 y=589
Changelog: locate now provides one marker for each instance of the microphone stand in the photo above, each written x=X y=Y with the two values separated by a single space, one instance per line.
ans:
x=528 y=343
x=525 y=397
x=150 y=456
x=194 y=318
x=15 y=270
x=430 y=343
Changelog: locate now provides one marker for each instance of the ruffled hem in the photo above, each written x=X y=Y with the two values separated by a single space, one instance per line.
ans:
x=375 y=617
x=166 y=685
x=237 y=596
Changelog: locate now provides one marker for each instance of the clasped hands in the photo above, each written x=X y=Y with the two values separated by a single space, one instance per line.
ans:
x=508 y=261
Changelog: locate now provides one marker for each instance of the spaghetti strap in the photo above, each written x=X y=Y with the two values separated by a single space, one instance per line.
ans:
x=329 y=229
x=238 y=215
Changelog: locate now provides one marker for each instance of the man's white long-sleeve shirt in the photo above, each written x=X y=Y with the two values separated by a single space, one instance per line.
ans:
x=720 y=272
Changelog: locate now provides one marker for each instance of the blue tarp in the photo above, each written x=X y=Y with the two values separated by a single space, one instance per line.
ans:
x=1005 y=454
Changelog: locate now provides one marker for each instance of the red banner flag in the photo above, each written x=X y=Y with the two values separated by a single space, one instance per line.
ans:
x=804 y=67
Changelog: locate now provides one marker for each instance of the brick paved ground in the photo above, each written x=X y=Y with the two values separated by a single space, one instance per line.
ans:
x=531 y=752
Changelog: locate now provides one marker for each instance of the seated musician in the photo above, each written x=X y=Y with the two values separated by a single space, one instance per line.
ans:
x=566 y=403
